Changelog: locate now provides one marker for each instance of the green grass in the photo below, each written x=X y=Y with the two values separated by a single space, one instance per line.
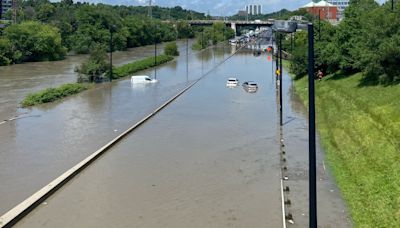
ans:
x=360 y=132
x=140 y=65
x=53 y=94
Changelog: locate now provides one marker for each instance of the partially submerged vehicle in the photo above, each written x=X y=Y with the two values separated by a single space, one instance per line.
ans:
x=250 y=86
x=232 y=82
x=138 y=79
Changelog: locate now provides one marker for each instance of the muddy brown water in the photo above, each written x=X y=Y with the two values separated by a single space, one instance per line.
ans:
x=210 y=159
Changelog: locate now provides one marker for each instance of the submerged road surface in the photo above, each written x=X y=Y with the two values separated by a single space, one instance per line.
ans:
x=210 y=159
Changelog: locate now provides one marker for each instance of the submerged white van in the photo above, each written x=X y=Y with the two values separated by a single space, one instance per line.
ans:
x=142 y=79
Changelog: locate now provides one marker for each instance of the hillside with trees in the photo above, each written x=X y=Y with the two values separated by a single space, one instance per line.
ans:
x=79 y=27
x=366 y=41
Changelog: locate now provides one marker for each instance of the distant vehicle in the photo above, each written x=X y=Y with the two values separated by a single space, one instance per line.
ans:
x=136 y=79
x=257 y=21
x=250 y=84
x=232 y=82
x=250 y=87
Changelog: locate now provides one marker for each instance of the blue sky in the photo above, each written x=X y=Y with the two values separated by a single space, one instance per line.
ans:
x=216 y=7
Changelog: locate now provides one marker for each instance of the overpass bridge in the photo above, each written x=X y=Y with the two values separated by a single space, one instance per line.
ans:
x=233 y=24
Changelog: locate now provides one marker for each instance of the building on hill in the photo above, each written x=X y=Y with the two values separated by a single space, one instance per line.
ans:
x=254 y=9
x=242 y=13
x=4 y=7
x=323 y=9
x=341 y=5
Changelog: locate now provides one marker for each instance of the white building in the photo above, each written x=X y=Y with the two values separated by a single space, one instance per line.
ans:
x=341 y=5
x=5 y=6
x=254 y=9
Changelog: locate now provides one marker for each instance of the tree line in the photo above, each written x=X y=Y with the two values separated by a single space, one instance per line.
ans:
x=49 y=30
x=367 y=40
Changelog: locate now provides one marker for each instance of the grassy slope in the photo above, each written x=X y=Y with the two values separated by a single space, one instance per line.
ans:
x=360 y=131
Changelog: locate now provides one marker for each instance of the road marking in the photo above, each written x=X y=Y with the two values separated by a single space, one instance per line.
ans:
x=11 y=217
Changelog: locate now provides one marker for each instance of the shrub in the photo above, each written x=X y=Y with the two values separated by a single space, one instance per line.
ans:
x=171 y=49
x=140 y=65
x=52 y=94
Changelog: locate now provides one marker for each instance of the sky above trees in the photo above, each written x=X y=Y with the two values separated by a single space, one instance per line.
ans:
x=215 y=7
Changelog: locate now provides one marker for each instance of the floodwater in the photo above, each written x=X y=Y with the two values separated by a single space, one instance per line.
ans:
x=210 y=159
x=16 y=81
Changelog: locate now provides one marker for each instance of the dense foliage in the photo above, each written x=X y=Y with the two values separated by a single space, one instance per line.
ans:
x=367 y=41
x=94 y=68
x=52 y=28
x=171 y=49
x=212 y=35
x=52 y=94
x=30 y=41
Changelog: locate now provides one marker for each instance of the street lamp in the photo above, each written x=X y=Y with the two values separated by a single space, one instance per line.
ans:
x=155 y=51
x=112 y=28
x=311 y=132
x=311 y=120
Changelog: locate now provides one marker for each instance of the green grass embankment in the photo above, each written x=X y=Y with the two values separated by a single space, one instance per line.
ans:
x=360 y=133
x=53 y=94
x=140 y=65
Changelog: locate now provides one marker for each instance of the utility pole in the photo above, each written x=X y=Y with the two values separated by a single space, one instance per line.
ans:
x=155 y=52
x=392 y=5
x=319 y=25
x=280 y=80
x=112 y=28
x=276 y=57
x=187 y=57
x=150 y=12
x=291 y=43
x=14 y=11
x=311 y=131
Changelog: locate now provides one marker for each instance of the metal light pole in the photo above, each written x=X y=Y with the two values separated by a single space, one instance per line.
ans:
x=112 y=28
x=213 y=42
x=202 y=52
x=276 y=57
x=187 y=58
x=311 y=133
x=319 y=25
x=155 y=53
x=291 y=43
x=280 y=80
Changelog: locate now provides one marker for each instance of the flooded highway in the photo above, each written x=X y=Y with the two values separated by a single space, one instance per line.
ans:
x=51 y=138
x=210 y=159
x=16 y=81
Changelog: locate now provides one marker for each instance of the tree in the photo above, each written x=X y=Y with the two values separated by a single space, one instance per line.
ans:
x=95 y=67
x=184 y=30
x=44 y=11
x=6 y=52
x=171 y=49
x=35 y=41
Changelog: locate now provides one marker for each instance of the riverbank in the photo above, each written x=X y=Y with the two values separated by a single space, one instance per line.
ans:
x=359 y=128
x=65 y=90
